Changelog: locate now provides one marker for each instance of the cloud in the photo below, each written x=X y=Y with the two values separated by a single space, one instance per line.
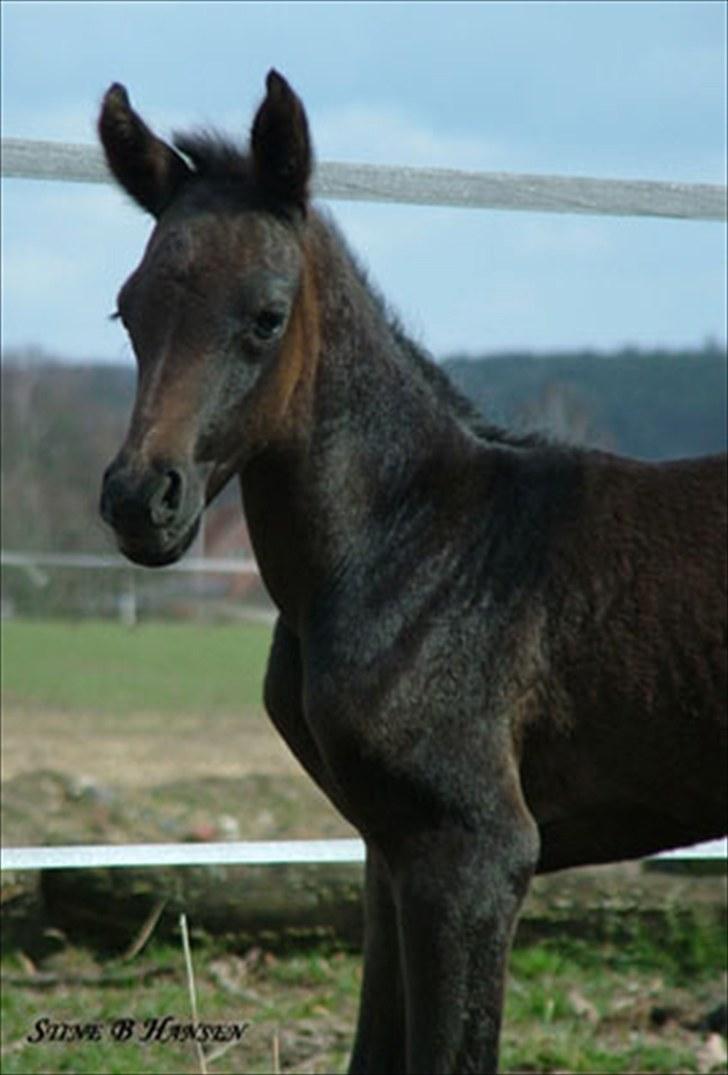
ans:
x=387 y=135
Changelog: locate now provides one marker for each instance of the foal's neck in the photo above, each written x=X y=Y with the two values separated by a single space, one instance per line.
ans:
x=375 y=430
x=370 y=386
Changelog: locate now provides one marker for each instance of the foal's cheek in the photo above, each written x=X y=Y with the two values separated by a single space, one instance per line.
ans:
x=229 y=395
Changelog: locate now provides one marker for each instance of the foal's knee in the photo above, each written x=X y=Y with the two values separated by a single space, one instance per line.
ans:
x=461 y=875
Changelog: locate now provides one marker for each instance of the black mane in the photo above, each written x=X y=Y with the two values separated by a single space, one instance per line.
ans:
x=425 y=366
x=456 y=402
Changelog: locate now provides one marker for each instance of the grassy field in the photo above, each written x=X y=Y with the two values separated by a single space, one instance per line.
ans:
x=104 y=667
x=139 y=706
x=161 y=703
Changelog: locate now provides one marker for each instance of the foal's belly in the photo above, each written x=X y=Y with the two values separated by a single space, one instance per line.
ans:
x=601 y=799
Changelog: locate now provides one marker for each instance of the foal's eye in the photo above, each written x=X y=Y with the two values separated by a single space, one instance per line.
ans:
x=268 y=323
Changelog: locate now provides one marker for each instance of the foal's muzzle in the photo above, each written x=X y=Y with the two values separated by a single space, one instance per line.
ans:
x=154 y=511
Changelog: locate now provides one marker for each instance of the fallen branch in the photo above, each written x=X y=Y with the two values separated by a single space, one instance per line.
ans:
x=49 y=979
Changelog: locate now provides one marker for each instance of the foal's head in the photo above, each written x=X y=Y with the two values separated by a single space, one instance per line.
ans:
x=220 y=313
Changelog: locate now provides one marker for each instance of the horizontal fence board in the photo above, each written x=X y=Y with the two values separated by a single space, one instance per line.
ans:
x=251 y=853
x=517 y=192
x=26 y=159
x=254 y=852
x=711 y=849
x=194 y=564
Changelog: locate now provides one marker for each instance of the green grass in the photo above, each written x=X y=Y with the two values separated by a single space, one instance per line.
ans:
x=574 y=1006
x=104 y=667
x=689 y=949
x=309 y=1000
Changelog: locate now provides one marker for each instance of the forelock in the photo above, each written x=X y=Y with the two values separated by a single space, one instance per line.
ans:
x=215 y=156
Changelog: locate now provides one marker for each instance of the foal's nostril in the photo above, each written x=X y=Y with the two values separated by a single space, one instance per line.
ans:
x=168 y=499
x=135 y=499
x=173 y=495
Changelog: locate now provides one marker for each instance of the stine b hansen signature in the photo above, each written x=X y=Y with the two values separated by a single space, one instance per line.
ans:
x=156 y=1029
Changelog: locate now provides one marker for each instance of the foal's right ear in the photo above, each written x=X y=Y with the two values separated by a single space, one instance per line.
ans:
x=281 y=145
x=145 y=166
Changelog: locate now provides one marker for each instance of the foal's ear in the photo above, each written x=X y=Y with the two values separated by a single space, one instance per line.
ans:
x=280 y=144
x=145 y=166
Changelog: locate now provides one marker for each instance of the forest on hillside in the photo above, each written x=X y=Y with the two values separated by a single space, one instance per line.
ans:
x=62 y=423
x=648 y=404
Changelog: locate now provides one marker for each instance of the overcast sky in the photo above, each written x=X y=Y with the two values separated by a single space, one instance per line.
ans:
x=626 y=90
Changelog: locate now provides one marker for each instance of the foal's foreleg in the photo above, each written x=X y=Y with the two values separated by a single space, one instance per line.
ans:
x=283 y=696
x=458 y=895
x=379 y=1046
x=380 y=1041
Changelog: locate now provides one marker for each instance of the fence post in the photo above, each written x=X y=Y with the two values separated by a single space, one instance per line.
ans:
x=128 y=603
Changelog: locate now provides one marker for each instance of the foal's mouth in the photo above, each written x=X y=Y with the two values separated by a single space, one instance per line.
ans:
x=158 y=548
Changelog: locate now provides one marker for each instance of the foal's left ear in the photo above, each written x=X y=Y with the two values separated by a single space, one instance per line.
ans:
x=281 y=146
x=145 y=166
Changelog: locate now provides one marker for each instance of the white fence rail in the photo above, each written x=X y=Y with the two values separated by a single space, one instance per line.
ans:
x=205 y=565
x=26 y=159
x=250 y=853
x=34 y=562
x=247 y=853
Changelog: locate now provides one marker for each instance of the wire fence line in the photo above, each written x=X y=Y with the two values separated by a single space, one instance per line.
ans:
x=29 y=159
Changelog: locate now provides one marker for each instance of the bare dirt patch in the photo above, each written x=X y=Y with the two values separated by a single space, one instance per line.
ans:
x=142 y=749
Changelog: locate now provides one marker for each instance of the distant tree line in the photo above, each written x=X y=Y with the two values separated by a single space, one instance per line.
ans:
x=649 y=404
x=61 y=425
